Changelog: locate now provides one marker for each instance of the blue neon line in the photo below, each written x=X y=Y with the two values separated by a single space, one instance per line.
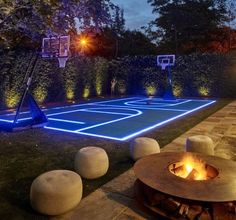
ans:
x=75 y=105
x=82 y=110
x=65 y=112
x=63 y=120
x=149 y=128
x=148 y=108
x=160 y=105
x=74 y=132
x=5 y=120
x=60 y=129
x=109 y=122
x=62 y=113
x=128 y=116
x=90 y=103
x=101 y=136
x=133 y=134
x=116 y=100
x=11 y=121
x=166 y=121
x=105 y=112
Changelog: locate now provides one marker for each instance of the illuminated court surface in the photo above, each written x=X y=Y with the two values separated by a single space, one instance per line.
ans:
x=117 y=119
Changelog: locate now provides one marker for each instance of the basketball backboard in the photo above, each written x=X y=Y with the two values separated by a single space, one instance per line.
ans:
x=55 y=47
x=165 y=60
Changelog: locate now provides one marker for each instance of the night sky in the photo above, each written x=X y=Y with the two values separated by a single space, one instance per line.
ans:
x=137 y=13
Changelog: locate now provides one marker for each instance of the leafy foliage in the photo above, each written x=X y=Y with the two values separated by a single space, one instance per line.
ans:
x=100 y=72
x=187 y=26
x=193 y=75
x=29 y=20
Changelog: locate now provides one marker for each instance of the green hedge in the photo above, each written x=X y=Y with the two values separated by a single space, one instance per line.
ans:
x=196 y=75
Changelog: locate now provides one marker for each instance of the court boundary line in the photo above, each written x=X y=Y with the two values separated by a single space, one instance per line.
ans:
x=148 y=128
x=81 y=131
x=129 y=103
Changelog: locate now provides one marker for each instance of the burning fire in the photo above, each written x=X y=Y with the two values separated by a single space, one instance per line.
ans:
x=190 y=168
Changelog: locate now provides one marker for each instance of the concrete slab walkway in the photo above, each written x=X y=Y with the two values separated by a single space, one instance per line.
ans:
x=115 y=200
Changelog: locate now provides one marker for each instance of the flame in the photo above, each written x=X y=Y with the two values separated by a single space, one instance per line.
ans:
x=191 y=168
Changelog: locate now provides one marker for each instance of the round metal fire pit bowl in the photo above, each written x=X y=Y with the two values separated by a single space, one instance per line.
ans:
x=154 y=172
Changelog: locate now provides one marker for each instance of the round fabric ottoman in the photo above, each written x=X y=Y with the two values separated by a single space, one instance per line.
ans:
x=143 y=146
x=56 y=192
x=200 y=144
x=91 y=162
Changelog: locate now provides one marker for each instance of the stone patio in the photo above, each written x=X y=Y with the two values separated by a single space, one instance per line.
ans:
x=115 y=200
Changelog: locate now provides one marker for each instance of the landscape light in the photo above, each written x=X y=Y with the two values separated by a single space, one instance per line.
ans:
x=83 y=42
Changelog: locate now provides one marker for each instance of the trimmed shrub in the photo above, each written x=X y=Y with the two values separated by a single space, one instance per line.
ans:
x=194 y=75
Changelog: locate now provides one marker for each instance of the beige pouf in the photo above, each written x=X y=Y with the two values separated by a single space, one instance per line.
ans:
x=56 y=192
x=200 y=144
x=91 y=162
x=143 y=146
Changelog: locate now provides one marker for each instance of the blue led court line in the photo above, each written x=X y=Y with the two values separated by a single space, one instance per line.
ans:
x=132 y=103
x=147 y=128
x=5 y=120
x=114 y=107
x=90 y=103
x=101 y=136
x=94 y=110
x=82 y=133
x=116 y=100
x=63 y=107
x=63 y=113
x=61 y=129
x=64 y=120
x=11 y=121
x=112 y=121
x=144 y=107
x=165 y=122
x=80 y=130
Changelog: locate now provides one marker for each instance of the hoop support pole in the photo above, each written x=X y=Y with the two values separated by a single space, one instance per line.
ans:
x=28 y=83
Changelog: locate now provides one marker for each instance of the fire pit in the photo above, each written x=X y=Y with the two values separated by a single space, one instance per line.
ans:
x=186 y=185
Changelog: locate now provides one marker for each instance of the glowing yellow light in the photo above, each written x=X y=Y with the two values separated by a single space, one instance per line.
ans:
x=84 y=42
x=40 y=94
x=177 y=90
x=86 y=92
x=70 y=94
x=189 y=168
x=12 y=97
x=204 y=91
x=151 y=89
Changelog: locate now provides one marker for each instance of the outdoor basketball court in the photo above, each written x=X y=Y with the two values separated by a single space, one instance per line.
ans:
x=117 y=119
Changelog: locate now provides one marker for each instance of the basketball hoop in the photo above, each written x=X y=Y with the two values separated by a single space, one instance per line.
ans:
x=56 y=47
x=165 y=60
x=62 y=61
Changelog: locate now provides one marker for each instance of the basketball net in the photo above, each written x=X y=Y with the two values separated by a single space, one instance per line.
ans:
x=62 y=61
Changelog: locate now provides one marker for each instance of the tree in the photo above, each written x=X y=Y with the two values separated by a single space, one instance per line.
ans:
x=136 y=43
x=33 y=19
x=130 y=43
x=118 y=25
x=182 y=22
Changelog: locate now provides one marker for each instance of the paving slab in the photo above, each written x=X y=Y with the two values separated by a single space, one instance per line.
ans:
x=99 y=205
